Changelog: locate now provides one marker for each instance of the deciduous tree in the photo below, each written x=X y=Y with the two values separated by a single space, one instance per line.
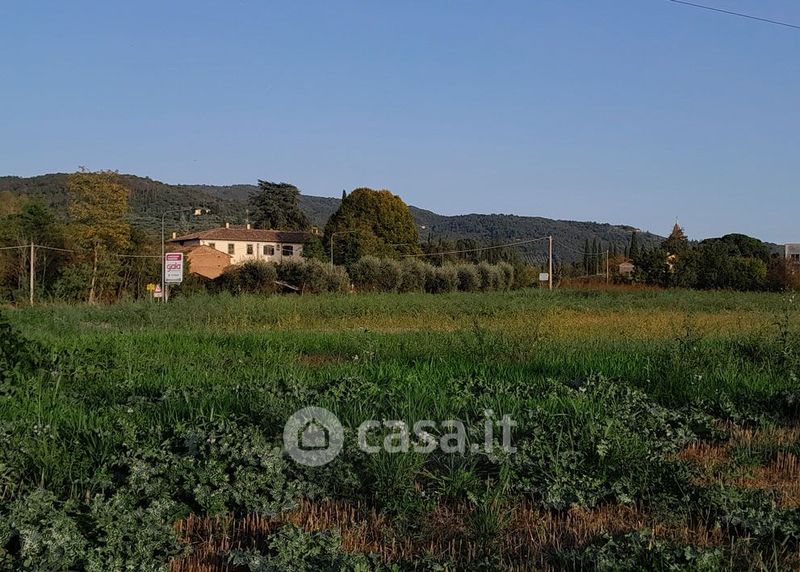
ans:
x=371 y=222
x=98 y=207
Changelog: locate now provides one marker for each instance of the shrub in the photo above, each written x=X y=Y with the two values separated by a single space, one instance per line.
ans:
x=525 y=275
x=442 y=279
x=292 y=549
x=291 y=272
x=389 y=276
x=507 y=272
x=485 y=273
x=192 y=284
x=257 y=276
x=228 y=281
x=321 y=277
x=313 y=276
x=413 y=275
x=366 y=273
x=71 y=285
x=337 y=279
x=640 y=550
x=42 y=533
x=468 y=278
x=252 y=277
x=17 y=353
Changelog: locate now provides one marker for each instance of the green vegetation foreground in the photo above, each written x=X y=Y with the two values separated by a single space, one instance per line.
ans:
x=655 y=429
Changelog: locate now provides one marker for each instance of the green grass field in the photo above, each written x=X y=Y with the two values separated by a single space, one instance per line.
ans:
x=655 y=429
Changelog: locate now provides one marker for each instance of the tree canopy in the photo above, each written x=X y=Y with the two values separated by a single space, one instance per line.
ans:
x=98 y=209
x=277 y=205
x=733 y=261
x=676 y=243
x=371 y=222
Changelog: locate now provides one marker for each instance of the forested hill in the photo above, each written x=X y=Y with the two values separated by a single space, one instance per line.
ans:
x=150 y=198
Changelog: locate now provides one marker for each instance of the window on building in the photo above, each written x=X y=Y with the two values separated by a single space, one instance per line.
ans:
x=212 y=245
x=249 y=249
x=287 y=250
x=269 y=250
x=231 y=248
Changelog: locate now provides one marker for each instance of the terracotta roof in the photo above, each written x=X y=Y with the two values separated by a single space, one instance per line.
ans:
x=244 y=234
x=186 y=249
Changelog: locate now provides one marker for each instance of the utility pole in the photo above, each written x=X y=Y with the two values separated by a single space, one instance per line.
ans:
x=607 y=266
x=550 y=264
x=31 y=277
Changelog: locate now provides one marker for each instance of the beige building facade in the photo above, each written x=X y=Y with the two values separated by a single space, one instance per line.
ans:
x=243 y=244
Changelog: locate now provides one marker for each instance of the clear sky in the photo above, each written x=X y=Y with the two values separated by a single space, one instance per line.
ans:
x=625 y=111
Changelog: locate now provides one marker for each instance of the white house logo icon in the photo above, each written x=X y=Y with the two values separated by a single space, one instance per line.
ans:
x=313 y=436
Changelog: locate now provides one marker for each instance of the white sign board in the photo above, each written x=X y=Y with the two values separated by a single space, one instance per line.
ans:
x=157 y=293
x=544 y=277
x=173 y=268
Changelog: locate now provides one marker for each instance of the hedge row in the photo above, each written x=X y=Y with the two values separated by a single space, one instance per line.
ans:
x=369 y=274
x=265 y=277
x=413 y=275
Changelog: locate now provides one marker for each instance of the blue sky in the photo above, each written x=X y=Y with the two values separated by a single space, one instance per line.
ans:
x=626 y=111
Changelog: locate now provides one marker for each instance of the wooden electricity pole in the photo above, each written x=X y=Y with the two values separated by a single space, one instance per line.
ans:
x=550 y=264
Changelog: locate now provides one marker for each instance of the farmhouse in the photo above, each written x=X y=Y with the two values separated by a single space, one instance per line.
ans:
x=792 y=253
x=243 y=244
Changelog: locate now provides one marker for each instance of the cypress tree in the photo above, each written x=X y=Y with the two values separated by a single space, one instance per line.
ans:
x=586 y=257
x=633 y=252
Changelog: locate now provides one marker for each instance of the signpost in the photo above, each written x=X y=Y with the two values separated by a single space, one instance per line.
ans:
x=173 y=271
x=544 y=277
x=173 y=268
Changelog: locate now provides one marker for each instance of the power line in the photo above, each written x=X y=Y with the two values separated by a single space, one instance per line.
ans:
x=40 y=246
x=54 y=248
x=740 y=14
x=481 y=249
x=562 y=245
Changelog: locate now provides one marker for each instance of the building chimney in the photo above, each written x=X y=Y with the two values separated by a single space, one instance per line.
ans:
x=174 y=235
x=248 y=226
x=227 y=225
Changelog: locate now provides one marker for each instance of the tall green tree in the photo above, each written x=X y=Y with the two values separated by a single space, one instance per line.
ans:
x=633 y=249
x=676 y=243
x=277 y=205
x=651 y=266
x=34 y=223
x=371 y=222
x=312 y=248
x=98 y=207
x=586 y=256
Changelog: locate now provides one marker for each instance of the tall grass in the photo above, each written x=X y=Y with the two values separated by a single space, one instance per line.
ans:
x=607 y=387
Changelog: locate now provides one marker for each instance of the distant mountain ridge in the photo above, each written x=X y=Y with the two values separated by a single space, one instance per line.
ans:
x=228 y=203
